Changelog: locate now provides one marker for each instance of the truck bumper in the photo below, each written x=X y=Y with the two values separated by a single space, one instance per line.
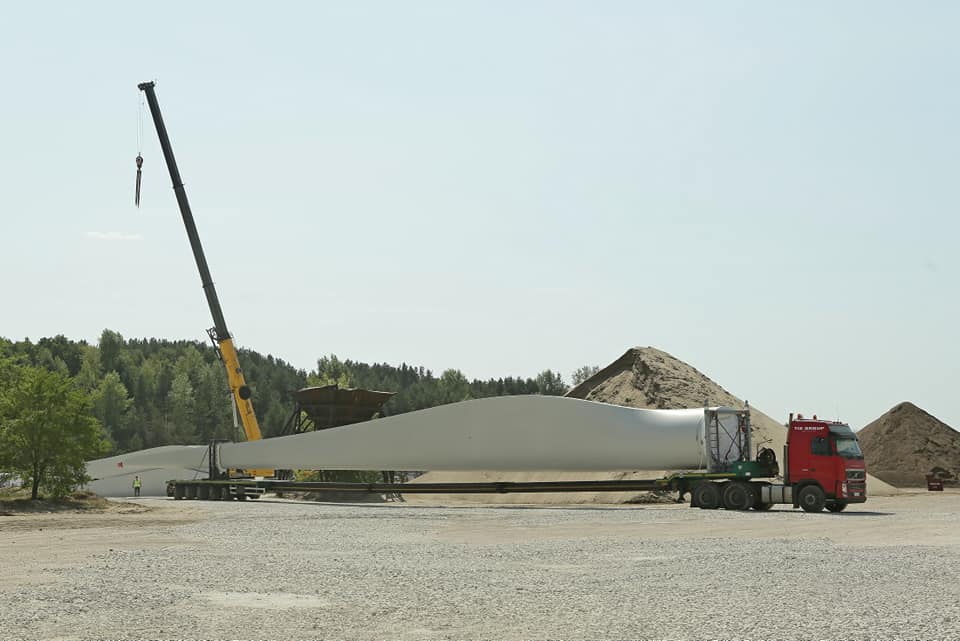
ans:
x=853 y=492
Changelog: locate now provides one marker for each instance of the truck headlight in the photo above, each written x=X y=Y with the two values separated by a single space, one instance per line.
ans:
x=843 y=488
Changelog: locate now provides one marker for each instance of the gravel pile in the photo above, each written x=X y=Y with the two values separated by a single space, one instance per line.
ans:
x=906 y=444
x=270 y=570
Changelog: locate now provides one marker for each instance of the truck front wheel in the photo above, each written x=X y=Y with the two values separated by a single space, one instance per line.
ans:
x=706 y=496
x=812 y=498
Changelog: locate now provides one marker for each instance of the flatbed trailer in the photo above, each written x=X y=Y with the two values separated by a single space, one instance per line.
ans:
x=241 y=489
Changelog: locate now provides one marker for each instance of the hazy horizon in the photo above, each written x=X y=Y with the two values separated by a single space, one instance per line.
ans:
x=763 y=191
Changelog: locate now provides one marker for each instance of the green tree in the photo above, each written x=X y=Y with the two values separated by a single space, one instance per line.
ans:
x=550 y=383
x=65 y=350
x=583 y=373
x=7 y=367
x=330 y=371
x=47 y=431
x=212 y=403
x=111 y=405
x=111 y=343
x=88 y=376
x=454 y=387
x=46 y=359
x=182 y=411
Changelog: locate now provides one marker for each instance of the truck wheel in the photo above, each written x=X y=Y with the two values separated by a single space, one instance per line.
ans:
x=839 y=506
x=812 y=498
x=737 y=496
x=706 y=496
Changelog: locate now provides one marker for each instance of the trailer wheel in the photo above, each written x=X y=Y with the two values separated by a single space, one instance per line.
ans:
x=737 y=496
x=706 y=496
x=812 y=498
x=839 y=506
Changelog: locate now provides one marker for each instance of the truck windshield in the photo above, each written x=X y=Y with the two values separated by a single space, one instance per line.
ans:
x=847 y=447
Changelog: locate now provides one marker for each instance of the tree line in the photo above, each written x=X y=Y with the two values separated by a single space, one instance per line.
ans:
x=418 y=388
x=152 y=392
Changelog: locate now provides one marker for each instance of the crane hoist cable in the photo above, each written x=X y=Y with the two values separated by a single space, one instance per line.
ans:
x=136 y=197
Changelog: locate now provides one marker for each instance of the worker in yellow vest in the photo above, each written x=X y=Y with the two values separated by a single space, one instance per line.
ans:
x=136 y=486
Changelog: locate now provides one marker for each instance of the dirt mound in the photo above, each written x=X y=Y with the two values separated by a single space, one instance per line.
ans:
x=906 y=444
x=649 y=378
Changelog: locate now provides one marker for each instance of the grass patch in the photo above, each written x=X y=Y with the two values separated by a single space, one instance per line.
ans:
x=17 y=501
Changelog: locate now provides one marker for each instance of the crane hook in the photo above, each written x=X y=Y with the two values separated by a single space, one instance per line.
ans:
x=136 y=198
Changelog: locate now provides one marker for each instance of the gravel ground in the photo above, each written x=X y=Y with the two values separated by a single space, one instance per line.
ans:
x=286 y=570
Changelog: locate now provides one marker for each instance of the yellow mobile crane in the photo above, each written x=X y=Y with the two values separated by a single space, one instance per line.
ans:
x=221 y=338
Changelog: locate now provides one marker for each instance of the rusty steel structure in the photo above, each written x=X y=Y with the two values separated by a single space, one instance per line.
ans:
x=327 y=406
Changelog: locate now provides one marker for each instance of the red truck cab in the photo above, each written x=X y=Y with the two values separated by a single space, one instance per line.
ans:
x=824 y=465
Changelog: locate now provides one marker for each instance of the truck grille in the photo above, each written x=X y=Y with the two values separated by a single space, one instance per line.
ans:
x=856 y=475
x=857 y=490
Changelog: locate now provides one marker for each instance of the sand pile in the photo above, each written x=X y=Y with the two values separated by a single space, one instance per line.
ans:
x=906 y=444
x=643 y=377
x=649 y=378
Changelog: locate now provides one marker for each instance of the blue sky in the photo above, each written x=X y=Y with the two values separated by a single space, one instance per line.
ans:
x=765 y=191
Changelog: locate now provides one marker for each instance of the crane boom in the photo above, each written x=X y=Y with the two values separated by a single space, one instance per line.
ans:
x=219 y=334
